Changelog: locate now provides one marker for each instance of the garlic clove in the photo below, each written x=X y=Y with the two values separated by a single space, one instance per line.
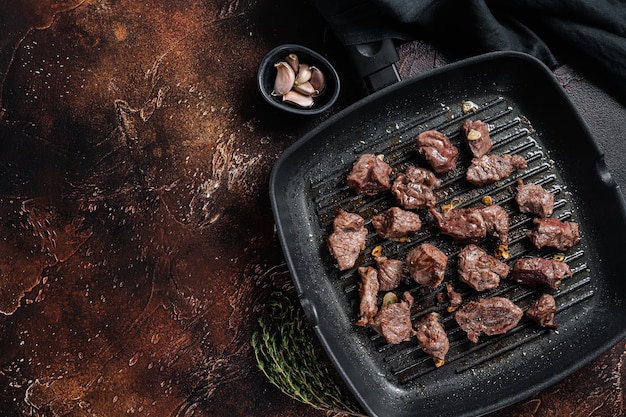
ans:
x=305 y=88
x=303 y=75
x=284 y=80
x=293 y=61
x=318 y=80
x=298 y=99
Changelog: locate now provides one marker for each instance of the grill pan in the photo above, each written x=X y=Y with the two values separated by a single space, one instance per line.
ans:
x=528 y=114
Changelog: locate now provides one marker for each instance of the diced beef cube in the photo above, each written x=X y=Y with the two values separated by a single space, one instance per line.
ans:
x=489 y=316
x=476 y=133
x=389 y=272
x=368 y=291
x=427 y=264
x=552 y=232
x=432 y=338
x=438 y=151
x=347 y=239
x=414 y=188
x=395 y=223
x=534 y=272
x=480 y=270
x=471 y=225
x=491 y=168
x=454 y=298
x=393 y=321
x=542 y=311
x=369 y=175
x=533 y=199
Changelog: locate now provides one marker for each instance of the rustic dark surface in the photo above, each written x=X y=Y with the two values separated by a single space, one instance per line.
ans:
x=136 y=237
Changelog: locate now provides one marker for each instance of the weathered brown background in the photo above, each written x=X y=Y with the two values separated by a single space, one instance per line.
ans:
x=136 y=237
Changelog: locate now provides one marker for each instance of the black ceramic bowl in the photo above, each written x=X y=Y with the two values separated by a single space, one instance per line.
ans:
x=267 y=75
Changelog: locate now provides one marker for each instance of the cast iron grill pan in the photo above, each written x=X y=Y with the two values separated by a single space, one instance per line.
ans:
x=528 y=115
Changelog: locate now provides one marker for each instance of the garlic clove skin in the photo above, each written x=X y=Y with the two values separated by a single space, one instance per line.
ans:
x=298 y=99
x=306 y=89
x=318 y=81
x=285 y=77
x=293 y=61
x=303 y=75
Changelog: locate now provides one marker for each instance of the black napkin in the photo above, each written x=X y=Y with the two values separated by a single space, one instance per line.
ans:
x=589 y=35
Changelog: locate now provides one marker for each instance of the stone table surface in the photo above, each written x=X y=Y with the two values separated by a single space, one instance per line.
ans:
x=137 y=243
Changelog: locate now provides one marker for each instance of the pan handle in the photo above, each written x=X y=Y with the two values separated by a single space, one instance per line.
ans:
x=375 y=63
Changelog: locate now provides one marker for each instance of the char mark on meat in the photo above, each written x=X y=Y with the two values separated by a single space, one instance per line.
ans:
x=368 y=291
x=393 y=321
x=438 y=151
x=480 y=270
x=369 y=175
x=491 y=168
x=427 y=265
x=414 y=188
x=554 y=233
x=476 y=134
x=432 y=338
x=489 y=316
x=395 y=223
x=534 y=272
x=348 y=238
x=471 y=225
x=542 y=311
x=533 y=199
x=389 y=273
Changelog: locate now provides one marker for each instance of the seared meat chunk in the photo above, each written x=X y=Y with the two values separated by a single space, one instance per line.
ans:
x=491 y=168
x=450 y=296
x=490 y=316
x=347 y=239
x=438 y=151
x=389 y=272
x=427 y=264
x=470 y=225
x=393 y=321
x=368 y=291
x=542 y=311
x=533 y=272
x=533 y=199
x=554 y=233
x=432 y=338
x=414 y=188
x=369 y=175
x=476 y=134
x=480 y=270
x=395 y=223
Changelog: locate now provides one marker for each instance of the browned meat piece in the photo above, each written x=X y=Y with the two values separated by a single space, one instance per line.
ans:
x=438 y=151
x=414 y=188
x=489 y=316
x=393 y=321
x=470 y=225
x=542 y=311
x=476 y=134
x=427 y=265
x=533 y=272
x=491 y=168
x=554 y=233
x=389 y=273
x=454 y=298
x=533 y=199
x=368 y=291
x=432 y=338
x=480 y=270
x=396 y=223
x=369 y=175
x=347 y=239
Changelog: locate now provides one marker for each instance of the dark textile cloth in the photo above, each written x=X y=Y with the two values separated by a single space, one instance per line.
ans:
x=590 y=35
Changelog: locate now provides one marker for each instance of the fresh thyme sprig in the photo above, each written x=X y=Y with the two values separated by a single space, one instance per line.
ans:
x=286 y=355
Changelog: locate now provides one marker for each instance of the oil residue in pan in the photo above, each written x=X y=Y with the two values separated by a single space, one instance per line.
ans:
x=511 y=133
